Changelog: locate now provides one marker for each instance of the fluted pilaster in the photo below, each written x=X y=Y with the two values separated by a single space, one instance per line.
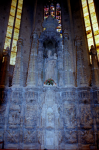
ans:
x=60 y=64
x=18 y=70
x=95 y=68
x=32 y=70
x=40 y=64
x=81 y=71
x=69 y=79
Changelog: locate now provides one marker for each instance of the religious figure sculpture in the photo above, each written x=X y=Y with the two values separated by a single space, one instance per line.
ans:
x=51 y=66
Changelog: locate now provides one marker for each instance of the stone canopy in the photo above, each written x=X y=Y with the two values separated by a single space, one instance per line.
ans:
x=50 y=22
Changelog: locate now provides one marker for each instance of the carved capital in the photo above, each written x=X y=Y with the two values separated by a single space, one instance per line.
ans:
x=40 y=47
x=6 y=52
x=78 y=41
x=34 y=35
x=93 y=50
x=20 y=41
x=66 y=36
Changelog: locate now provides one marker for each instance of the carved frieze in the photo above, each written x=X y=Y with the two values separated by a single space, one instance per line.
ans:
x=96 y=109
x=15 y=107
x=96 y=96
x=31 y=115
x=30 y=136
x=2 y=114
x=17 y=96
x=84 y=96
x=60 y=137
x=13 y=136
x=40 y=137
x=41 y=98
x=86 y=120
x=14 y=117
x=31 y=97
x=69 y=114
x=68 y=95
x=71 y=137
x=30 y=122
x=87 y=136
x=1 y=135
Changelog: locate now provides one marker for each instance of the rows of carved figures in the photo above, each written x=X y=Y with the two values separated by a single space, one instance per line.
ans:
x=31 y=117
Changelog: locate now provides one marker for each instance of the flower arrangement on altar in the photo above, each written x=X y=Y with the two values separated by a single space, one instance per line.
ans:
x=49 y=82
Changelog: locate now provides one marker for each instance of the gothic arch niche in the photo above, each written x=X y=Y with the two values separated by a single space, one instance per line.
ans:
x=50 y=52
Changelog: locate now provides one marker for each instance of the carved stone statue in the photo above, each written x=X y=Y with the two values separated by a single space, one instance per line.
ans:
x=50 y=118
x=50 y=66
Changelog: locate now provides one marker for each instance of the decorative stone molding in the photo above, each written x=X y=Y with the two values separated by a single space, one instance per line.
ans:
x=68 y=62
x=18 y=70
x=78 y=41
x=32 y=70
x=81 y=71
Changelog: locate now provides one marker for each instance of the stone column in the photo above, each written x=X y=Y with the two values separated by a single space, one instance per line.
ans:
x=32 y=70
x=40 y=64
x=5 y=69
x=69 y=78
x=95 y=68
x=81 y=71
x=73 y=50
x=60 y=64
x=18 y=70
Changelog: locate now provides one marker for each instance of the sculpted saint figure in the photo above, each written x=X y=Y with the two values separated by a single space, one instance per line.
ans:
x=50 y=66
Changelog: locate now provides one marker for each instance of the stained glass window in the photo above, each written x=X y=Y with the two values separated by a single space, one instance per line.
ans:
x=91 y=24
x=52 y=10
x=55 y=11
x=58 y=17
x=13 y=17
x=46 y=11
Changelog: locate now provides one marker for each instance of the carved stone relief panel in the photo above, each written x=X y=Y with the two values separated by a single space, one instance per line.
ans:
x=69 y=115
x=17 y=96
x=41 y=98
x=14 y=117
x=2 y=115
x=96 y=109
x=31 y=97
x=96 y=96
x=69 y=96
x=40 y=137
x=84 y=96
x=87 y=136
x=31 y=115
x=70 y=137
x=30 y=136
x=49 y=139
x=86 y=120
x=14 y=107
x=1 y=135
x=13 y=136
x=59 y=137
x=58 y=98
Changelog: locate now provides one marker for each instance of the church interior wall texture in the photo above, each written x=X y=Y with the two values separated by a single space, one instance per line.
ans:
x=34 y=115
